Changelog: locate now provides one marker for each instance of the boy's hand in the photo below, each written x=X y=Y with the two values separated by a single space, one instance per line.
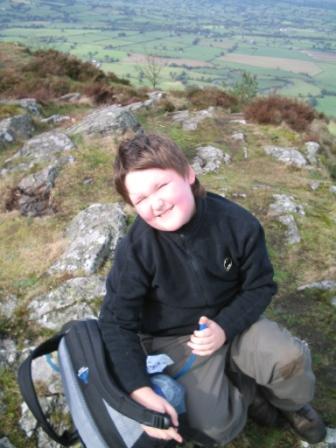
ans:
x=206 y=342
x=148 y=398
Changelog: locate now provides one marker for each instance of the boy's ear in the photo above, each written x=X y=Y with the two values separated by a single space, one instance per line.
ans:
x=191 y=175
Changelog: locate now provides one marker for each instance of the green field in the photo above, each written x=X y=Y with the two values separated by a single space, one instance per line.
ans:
x=291 y=36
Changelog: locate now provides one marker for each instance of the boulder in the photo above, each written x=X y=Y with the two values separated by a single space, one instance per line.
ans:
x=285 y=204
x=292 y=232
x=191 y=120
x=32 y=195
x=30 y=104
x=208 y=159
x=8 y=352
x=238 y=137
x=312 y=148
x=111 y=120
x=5 y=443
x=15 y=128
x=323 y=285
x=92 y=235
x=328 y=442
x=289 y=156
x=74 y=299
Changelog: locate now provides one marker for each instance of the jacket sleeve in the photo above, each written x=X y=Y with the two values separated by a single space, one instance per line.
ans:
x=120 y=317
x=256 y=280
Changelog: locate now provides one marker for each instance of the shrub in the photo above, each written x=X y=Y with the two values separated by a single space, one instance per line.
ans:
x=210 y=96
x=100 y=93
x=276 y=109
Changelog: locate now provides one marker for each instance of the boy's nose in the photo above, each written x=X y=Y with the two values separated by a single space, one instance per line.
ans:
x=157 y=204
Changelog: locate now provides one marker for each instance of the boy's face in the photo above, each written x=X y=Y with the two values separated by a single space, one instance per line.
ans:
x=162 y=197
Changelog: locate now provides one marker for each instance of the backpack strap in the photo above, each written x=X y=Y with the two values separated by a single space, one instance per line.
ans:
x=28 y=391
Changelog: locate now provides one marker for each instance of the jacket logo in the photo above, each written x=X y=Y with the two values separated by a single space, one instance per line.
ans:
x=227 y=264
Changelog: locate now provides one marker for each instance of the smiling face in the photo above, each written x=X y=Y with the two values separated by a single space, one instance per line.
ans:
x=162 y=197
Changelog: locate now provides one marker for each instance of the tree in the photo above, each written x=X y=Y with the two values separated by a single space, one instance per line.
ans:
x=246 y=88
x=152 y=69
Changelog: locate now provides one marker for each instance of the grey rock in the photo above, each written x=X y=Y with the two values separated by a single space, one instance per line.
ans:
x=45 y=374
x=283 y=205
x=190 y=120
x=292 y=233
x=154 y=97
x=328 y=442
x=70 y=97
x=8 y=306
x=14 y=128
x=32 y=195
x=314 y=185
x=332 y=189
x=74 y=299
x=27 y=421
x=5 y=443
x=93 y=235
x=30 y=104
x=238 y=137
x=56 y=119
x=8 y=353
x=323 y=285
x=238 y=121
x=208 y=159
x=289 y=156
x=245 y=152
x=111 y=120
x=312 y=148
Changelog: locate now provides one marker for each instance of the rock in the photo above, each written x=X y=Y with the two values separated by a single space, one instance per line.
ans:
x=238 y=121
x=154 y=97
x=14 y=128
x=209 y=159
x=190 y=120
x=5 y=443
x=323 y=285
x=30 y=104
x=111 y=120
x=70 y=97
x=314 y=185
x=56 y=119
x=293 y=236
x=238 y=137
x=27 y=422
x=285 y=204
x=74 y=299
x=8 y=353
x=332 y=189
x=328 y=442
x=93 y=235
x=289 y=156
x=32 y=195
x=312 y=149
x=44 y=372
x=245 y=152
x=8 y=306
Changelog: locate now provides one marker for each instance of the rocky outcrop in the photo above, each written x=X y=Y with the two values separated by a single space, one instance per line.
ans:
x=92 y=235
x=30 y=104
x=282 y=210
x=191 y=120
x=32 y=195
x=312 y=148
x=209 y=159
x=75 y=299
x=289 y=156
x=112 y=120
x=45 y=148
x=15 y=128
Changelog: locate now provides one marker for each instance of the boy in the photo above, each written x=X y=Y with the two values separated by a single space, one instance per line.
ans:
x=192 y=258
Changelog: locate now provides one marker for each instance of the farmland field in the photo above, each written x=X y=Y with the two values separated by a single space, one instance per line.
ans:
x=291 y=48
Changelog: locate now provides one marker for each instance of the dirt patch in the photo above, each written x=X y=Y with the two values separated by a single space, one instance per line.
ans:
x=324 y=56
x=139 y=58
x=290 y=65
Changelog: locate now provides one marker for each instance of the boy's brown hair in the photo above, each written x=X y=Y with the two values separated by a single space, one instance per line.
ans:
x=150 y=151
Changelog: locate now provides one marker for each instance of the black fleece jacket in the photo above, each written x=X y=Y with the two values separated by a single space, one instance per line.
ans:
x=162 y=282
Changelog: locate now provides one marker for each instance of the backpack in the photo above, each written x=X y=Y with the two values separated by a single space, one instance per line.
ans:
x=103 y=414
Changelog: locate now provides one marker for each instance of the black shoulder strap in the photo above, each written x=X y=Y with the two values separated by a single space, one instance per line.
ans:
x=29 y=393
